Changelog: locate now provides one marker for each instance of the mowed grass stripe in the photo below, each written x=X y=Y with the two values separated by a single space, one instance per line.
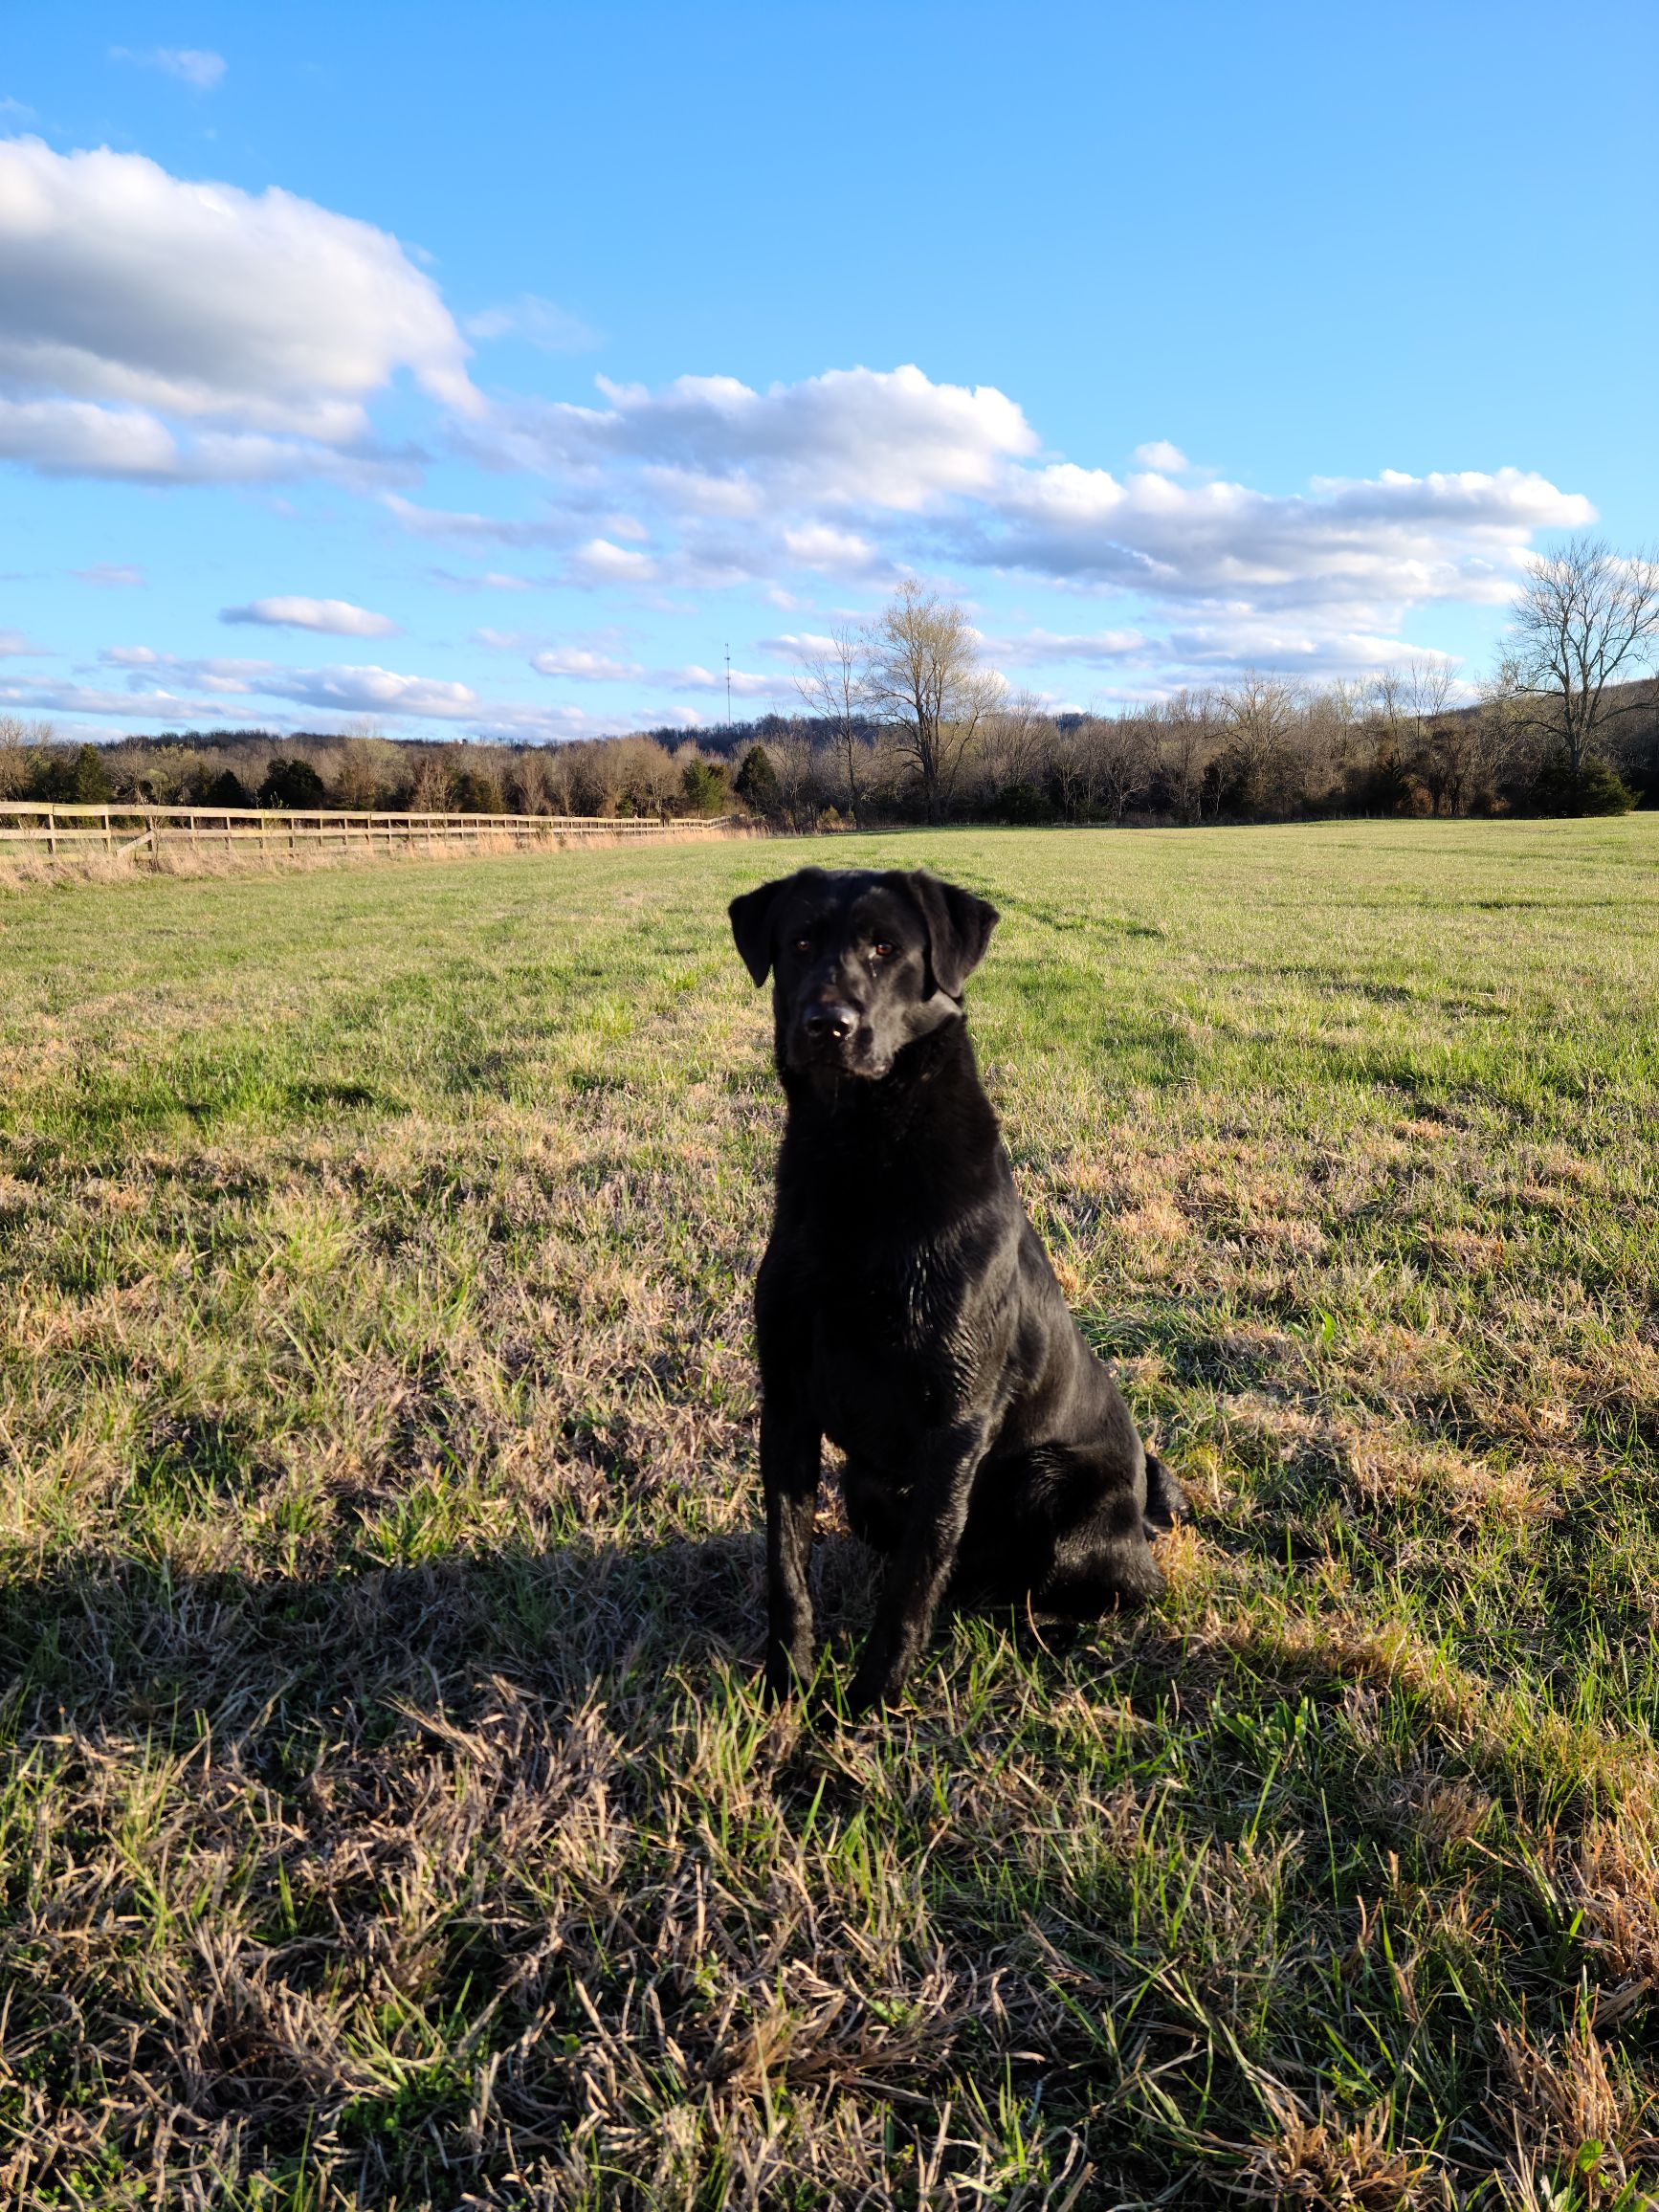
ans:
x=390 y=1815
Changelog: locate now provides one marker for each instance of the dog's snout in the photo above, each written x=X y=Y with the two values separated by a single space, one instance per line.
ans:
x=828 y=1023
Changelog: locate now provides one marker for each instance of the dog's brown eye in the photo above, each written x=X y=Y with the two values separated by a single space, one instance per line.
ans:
x=803 y=945
x=883 y=949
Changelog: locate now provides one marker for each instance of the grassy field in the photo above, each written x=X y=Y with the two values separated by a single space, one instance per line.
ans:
x=389 y=1816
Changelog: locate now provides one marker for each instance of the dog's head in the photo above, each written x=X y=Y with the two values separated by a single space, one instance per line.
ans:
x=864 y=962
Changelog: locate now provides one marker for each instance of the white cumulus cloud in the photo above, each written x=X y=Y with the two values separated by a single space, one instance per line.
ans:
x=342 y=690
x=603 y=563
x=870 y=473
x=745 y=683
x=584 y=666
x=134 y=303
x=75 y=439
x=1106 y=647
x=339 y=616
x=371 y=690
x=179 y=691
x=574 y=661
x=889 y=437
x=1395 y=539
x=820 y=546
x=232 y=677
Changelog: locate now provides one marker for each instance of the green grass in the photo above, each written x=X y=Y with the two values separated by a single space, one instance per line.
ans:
x=388 y=1813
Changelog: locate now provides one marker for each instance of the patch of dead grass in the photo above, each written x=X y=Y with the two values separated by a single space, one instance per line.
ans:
x=1332 y=2162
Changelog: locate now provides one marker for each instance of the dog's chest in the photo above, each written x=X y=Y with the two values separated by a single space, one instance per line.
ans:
x=888 y=1347
x=869 y=1291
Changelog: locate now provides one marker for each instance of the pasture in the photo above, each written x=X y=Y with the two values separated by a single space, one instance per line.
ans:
x=389 y=1812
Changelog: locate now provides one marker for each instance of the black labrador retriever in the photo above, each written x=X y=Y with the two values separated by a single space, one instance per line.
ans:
x=905 y=1308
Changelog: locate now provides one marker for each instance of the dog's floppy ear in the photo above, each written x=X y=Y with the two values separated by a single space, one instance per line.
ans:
x=959 y=929
x=752 y=926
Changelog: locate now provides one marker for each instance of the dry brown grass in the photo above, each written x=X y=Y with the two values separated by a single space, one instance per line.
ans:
x=207 y=863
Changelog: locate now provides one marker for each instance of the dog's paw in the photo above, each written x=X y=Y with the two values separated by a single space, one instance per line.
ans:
x=874 y=1689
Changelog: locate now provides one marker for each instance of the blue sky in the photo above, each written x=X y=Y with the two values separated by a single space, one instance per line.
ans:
x=490 y=370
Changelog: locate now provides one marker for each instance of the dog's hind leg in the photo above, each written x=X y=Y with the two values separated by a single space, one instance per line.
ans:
x=1098 y=1563
x=1062 y=1532
x=1086 y=1584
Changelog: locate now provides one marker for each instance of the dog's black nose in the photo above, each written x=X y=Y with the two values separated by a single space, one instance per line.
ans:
x=828 y=1024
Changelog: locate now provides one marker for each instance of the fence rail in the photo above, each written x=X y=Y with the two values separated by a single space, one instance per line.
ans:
x=118 y=831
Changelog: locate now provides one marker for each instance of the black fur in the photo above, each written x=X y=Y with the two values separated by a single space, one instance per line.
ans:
x=905 y=1308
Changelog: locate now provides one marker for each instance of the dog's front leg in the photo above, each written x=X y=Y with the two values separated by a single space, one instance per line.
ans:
x=921 y=1566
x=790 y=1450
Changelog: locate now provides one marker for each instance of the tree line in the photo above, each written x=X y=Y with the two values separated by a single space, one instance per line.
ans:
x=367 y=771
x=902 y=721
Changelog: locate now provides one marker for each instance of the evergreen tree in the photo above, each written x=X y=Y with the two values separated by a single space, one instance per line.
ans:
x=293 y=784
x=705 y=787
x=92 y=785
x=228 y=791
x=476 y=791
x=757 y=784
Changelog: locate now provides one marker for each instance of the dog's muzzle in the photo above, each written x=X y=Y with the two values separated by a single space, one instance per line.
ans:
x=830 y=1036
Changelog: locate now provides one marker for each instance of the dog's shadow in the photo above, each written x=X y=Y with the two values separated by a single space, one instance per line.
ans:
x=109 y=1644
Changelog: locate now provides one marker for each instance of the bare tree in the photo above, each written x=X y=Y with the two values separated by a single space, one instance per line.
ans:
x=1075 y=770
x=1587 y=618
x=1383 y=783
x=1428 y=686
x=20 y=743
x=1484 y=743
x=1342 y=704
x=531 y=785
x=366 y=768
x=800 y=791
x=1015 y=741
x=1186 y=743
x=1438 y=758
x=433 y=789
x=1323 y=739
x=1259 y=713
x=1120 y=757
x=924 y=678
x=830 y=685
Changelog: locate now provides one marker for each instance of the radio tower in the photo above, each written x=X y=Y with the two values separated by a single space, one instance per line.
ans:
x=728 y=687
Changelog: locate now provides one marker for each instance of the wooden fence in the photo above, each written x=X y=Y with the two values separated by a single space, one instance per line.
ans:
x=119 y=830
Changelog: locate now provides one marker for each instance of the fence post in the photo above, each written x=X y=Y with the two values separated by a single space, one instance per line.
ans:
x=50 y=834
